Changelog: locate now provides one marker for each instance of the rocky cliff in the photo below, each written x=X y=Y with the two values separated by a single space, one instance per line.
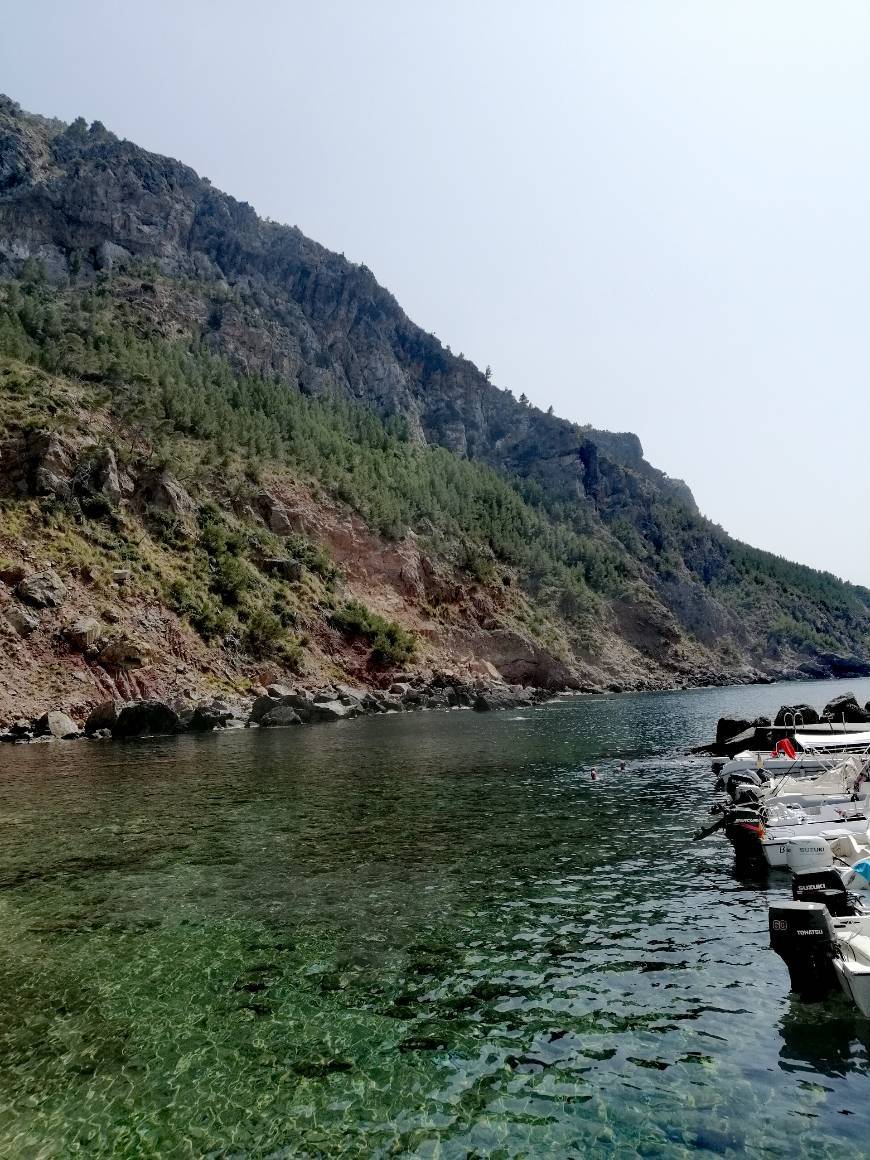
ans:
x=140 y=303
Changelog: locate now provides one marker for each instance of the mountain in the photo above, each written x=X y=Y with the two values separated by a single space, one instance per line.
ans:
x=232 y=444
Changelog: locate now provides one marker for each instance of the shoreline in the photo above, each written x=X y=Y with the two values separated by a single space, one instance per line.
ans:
x=286 y=706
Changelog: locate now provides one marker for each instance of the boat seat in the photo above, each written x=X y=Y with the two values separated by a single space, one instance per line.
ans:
x=847 y=847
x=857 y=945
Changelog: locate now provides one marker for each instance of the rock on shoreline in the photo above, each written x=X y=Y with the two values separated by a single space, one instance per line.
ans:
x=277 y=706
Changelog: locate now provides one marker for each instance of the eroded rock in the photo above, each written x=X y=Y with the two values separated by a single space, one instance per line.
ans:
x=281 y=715
x=56 y=724
x=85 y=634
x=144 y=718
x=125 y=652
x=846 y=709
x=23 y=621
x=42 y=589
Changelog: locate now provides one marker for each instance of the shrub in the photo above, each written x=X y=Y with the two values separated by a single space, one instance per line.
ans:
x=390 y=643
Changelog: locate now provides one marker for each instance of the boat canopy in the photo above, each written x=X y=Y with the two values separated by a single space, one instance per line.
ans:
x=833 y=740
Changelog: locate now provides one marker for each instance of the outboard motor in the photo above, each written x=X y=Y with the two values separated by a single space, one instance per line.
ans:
x=802 y=934
x=746 y=795
x=748 y=777
x=808 y=853
x=814 y=878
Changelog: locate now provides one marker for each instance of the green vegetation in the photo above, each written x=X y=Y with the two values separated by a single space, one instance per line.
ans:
x=191 y=410
x=390 y=643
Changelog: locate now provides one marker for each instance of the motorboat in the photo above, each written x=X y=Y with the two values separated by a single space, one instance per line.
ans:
x=823 y=952
x=807 y=755
x=766 y=835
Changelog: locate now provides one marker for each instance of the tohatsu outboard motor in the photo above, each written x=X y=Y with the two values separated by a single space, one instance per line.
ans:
x=802 y=934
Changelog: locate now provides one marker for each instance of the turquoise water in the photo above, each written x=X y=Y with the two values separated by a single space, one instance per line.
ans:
x=423 y=935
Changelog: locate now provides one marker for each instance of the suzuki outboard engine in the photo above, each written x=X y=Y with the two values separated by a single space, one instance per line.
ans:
x=814 y=878
x=802 y=934
x=825 y=886
x=808 y=853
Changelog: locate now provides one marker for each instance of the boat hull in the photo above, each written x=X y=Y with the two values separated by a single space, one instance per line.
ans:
x=854 y=980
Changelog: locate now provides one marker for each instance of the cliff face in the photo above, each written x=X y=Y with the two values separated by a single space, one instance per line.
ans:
x=78 y=199
x=636 y=589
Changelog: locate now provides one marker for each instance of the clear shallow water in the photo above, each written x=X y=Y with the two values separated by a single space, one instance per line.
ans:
x=426 y=935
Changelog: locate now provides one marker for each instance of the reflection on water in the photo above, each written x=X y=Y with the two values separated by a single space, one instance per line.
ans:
x=421 y=935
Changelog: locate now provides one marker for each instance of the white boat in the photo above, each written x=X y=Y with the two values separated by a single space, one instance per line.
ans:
x=831 y=823
x=823 y=952
x=814 y=753
x=853 y=964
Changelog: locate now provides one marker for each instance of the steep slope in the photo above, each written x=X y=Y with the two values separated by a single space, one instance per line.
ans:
x=148 y=318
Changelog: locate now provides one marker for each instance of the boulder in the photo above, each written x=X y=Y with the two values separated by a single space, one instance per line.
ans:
x=125 y=652
x=203 y=719
x=728 y=727
x=144 y=718
x=85 y=634
x=279 y=716
x=21 y=731
x=845 y=708
x=332 y=711
x=12 y=574
x=261 y=706
x=278 y=691
x=102 y=716
x=162 y=491
x=56 y=724
x=21 y=620
x=493 y=699
x=108 y=479
x=788 y=713
x=42 y=589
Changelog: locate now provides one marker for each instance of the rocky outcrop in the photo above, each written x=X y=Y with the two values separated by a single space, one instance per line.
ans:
x=144 y=718
x=42 y=589
x=845 y=709
x=56 y=724
x=796 y=714
x=86 y=634
x=161 y=491
x=728 y=727
x=278 y=716
x=493 y=699
x=125 y=652
x=21 y=620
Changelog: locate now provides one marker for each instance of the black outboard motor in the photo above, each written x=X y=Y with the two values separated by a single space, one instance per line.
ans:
x=802 y=934
x=824 y=886
x=746 y=777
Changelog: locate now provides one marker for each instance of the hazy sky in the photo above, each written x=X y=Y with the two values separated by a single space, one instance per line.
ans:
x=653 y=215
